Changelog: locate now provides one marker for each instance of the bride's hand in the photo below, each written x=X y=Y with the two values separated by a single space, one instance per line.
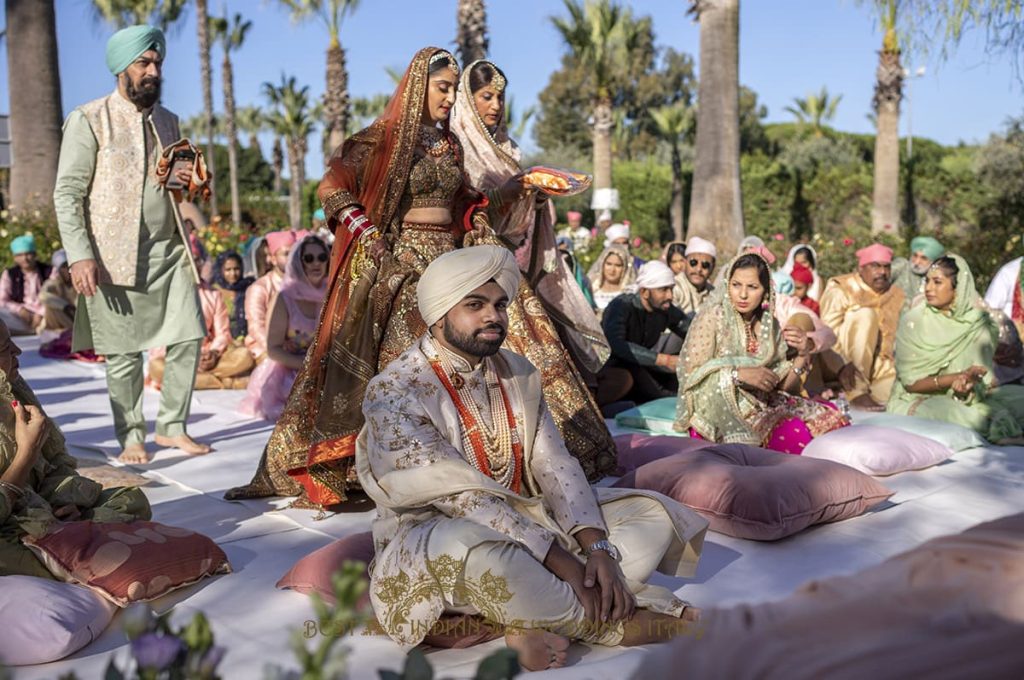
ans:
x=376 y=250
x=758 y=378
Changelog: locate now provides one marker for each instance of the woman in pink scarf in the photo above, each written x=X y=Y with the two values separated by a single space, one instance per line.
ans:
x=292 y=324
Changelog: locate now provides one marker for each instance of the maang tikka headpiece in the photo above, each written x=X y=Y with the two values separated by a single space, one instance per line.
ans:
x=446 y=56
x=498 y=82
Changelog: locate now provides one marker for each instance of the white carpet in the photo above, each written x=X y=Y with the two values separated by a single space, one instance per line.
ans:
x=255 y=621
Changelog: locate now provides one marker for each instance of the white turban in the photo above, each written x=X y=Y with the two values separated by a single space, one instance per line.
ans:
x=696 y=244
x=655 y=274
x=456 y=274
x=604 y=215
x=59 y=258
x=615 y=231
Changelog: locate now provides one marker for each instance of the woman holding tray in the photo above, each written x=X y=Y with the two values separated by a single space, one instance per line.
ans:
x=396 y=198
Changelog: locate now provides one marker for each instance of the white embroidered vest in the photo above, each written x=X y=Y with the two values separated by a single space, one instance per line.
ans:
x=114 y=208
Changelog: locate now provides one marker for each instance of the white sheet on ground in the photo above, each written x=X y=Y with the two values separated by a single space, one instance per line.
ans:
x=255 y=621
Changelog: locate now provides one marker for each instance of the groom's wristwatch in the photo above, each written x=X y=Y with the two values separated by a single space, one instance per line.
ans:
x=607 y=547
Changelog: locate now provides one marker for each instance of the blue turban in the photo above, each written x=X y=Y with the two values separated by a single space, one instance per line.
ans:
x=23 y=244
x=126 y=45
x=783 y=282
x=927 y=246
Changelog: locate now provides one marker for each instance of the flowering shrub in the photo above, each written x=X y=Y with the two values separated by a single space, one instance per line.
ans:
x=40 y=223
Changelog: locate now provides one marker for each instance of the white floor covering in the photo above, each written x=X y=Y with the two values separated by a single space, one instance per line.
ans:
x=255 y=621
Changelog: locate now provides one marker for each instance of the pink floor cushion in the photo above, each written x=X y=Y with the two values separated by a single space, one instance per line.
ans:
x=950 y=608
x=635 y=450
x=748 y=492
x=312 y=574
x=44 y=620
x=878 y=450
x=128 y=562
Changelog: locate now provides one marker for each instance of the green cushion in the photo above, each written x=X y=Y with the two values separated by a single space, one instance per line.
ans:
x=956 y=437
x=656 y=416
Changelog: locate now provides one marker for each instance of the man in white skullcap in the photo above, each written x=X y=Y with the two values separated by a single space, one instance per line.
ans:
x=693 y=284
x=480 y=508
x=634 y=324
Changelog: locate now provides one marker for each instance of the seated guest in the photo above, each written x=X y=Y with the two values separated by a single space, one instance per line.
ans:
x=480 y=507
x=224 y=364
x=229 y=281
x=577 y=274
x=944 y=359
x=1005 y=293
x=255 y=258
x=736 y=383
x=58 y=296
x=805 y=256
x=260 y=295
x=863 y=308
x=634 y=323
x=618 y=235
x=674 y=255
x=909 y=274
x=20 y=307
x=611 y=275
x=38 y=482
x=803 y=279
x=693 y=284
x=290 y=331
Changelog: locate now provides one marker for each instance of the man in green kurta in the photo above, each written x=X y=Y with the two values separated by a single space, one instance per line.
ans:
x=128 y=257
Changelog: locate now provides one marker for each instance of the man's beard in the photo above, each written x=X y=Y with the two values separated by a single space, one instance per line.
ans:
x=919 y=270
x=146 y=94
x=472 y=345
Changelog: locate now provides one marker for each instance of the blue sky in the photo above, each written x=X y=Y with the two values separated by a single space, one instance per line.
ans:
x=787 y=49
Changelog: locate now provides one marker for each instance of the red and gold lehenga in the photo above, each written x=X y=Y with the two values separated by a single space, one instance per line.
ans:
x=370 y=314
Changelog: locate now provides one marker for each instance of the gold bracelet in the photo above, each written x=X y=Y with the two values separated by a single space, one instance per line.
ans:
x=936 y=379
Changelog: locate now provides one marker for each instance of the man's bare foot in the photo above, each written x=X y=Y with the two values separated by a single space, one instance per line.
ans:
x=691 y=614
x=183 y=442
x=134 y=454
x=866 y=403
x=538 y=649
x=647 y=627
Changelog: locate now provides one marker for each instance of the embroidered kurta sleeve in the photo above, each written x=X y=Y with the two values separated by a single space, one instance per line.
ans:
x=74 y=174
x=402 y=436
x=217 y=323
x=560 y=477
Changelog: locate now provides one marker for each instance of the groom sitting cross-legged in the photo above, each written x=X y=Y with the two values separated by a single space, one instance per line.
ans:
x=480 y=507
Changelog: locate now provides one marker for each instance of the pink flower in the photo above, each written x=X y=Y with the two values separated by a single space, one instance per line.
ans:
x=847 y=241
x=637 y=242
x=778 y=237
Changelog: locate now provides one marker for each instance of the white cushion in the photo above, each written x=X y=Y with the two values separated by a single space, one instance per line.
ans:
x=877 y=450
x=956 y=437
x=43 y=620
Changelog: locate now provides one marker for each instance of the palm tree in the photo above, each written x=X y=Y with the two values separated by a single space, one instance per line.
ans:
x=516 y=121
x=277 y=159
x=815 y=110
x=122 y=13
x=35 y=101
x=674 y=122
x=598 y=37
x=206 y=83
x=231 y=35
x=716 y=203
x=250 y=120
x=292 y=117
x=194 y=127
x=336 y=97
x=885 y=208
x=471 y=31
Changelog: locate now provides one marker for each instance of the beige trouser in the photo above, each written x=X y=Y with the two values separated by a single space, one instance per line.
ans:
x=639 y=527
x=860 y=341
x=57 y=319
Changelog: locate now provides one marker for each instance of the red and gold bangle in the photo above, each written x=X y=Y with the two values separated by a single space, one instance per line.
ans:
x=355 y=220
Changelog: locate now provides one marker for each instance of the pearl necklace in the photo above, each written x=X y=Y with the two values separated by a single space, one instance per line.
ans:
x=496 y=451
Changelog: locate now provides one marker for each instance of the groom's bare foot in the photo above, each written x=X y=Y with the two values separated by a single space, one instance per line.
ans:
x=134 y=454
x=538 y=649
x=183 y=442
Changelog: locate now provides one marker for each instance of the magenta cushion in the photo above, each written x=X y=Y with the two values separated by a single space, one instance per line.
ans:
x=748 y=492
x=635 y=450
